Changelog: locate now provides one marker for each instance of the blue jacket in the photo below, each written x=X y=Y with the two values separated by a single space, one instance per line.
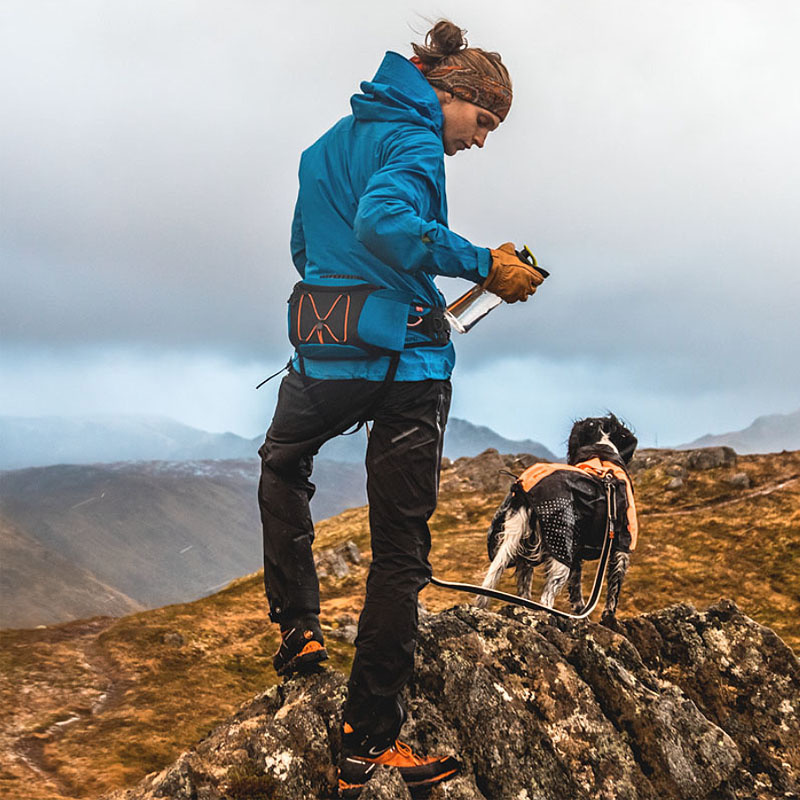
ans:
x=372 y=204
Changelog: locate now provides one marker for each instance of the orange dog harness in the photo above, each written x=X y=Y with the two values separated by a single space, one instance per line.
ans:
x=596 y=468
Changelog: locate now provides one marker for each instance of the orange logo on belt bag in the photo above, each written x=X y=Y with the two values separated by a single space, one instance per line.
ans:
x=322 y=321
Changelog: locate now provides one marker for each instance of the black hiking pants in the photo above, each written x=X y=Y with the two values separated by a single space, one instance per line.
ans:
x=403 y=464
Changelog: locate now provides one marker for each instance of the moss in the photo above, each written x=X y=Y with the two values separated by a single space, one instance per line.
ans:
x=248 y=782
x=340 y=654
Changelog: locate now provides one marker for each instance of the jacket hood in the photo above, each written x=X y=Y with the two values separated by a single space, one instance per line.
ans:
x=398 y=93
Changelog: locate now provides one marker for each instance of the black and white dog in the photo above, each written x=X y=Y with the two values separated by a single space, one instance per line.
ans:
x=555 y=514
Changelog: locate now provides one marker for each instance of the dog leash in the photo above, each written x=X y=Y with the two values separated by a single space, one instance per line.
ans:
x=521 y=601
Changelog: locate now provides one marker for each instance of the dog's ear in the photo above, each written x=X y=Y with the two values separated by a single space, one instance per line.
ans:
x=576 y=439
x=628 y=447
x=572 y=444
x=623 y=439
x=584 y=431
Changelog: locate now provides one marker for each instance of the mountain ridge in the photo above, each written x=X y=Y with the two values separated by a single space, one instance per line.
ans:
x=45 y=441
x=770 y=433
x=144 y=534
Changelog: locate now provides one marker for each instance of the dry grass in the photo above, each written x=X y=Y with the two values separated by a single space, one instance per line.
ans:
x=140 y=696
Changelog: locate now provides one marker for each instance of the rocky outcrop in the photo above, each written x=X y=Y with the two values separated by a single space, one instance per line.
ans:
x=674 y=704
x=490 y=471
x=336 y=560
x=678 y=462
x=743 y=678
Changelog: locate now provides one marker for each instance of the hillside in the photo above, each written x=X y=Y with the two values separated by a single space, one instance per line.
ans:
x=82 y=540
x=91 y=706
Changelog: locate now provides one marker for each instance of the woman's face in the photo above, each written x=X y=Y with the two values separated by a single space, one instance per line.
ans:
x=465 y=124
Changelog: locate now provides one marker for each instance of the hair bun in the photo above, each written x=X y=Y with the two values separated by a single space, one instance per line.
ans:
x=444 y=39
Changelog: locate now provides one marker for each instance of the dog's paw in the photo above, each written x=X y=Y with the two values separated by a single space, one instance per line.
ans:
x=609 y=620
x=480 y=601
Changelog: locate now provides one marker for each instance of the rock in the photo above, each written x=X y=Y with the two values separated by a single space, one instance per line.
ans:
x=538 y=707
x=347 y=629
x=739 y=480
x=287 y=733
x=710 y=457
x=672 y=705
x=174 y=639
x=645 y=459
x=344 y=633
x=672 y=462
x=676 y=470
x=676 y=463
x=349 y=551
x=336 y=560
x=675 y=483
x=329 y=562
x=742 y=677
x=483 y=472
x=386 y=784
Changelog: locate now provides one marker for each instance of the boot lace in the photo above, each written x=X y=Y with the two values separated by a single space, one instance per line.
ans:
x=407 y=752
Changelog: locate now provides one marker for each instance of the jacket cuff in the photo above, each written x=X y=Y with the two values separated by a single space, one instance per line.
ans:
x=484 y=261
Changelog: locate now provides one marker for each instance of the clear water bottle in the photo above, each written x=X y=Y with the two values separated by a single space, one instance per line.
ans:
x=471 y=308
x=466 y=312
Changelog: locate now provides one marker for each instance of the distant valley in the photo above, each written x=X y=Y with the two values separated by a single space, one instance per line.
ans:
x=82 y=540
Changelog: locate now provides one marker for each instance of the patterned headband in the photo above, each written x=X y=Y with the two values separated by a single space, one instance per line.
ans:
x=474 y=87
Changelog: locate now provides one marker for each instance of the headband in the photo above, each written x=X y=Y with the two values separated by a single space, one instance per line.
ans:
x=474 y=87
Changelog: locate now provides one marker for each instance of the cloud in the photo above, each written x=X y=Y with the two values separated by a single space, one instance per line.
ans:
x=148 y=173
x=207 y=392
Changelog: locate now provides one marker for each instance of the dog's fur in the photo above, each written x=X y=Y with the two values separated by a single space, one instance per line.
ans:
x=516 y=537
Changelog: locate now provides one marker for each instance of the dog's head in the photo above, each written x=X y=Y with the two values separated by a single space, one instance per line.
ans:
x=606 y=430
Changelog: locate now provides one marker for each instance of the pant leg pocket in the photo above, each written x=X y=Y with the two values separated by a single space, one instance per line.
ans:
x=443 y=398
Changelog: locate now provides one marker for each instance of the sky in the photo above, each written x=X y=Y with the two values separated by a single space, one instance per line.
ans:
x=148 y=162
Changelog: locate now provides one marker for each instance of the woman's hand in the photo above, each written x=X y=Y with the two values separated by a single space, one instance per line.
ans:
x=509 y=277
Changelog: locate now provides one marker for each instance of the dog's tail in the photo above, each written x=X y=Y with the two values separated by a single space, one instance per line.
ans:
x=509 y=527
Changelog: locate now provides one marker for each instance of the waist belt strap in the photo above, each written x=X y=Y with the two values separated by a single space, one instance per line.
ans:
x=430 y=323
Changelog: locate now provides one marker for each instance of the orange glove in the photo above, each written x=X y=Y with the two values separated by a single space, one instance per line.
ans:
x=509 y=277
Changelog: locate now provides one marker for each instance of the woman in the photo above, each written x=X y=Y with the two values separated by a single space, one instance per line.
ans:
x=371 y=211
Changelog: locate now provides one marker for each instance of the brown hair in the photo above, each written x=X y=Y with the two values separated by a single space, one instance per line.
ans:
x=446 y=46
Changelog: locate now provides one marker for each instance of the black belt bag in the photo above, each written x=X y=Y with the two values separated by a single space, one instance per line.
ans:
x=360 y=321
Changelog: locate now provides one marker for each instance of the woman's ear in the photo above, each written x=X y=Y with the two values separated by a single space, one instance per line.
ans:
x=445 y=97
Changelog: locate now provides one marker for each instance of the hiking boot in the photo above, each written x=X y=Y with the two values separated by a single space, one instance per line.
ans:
x=302 y=647
x=419 y=772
